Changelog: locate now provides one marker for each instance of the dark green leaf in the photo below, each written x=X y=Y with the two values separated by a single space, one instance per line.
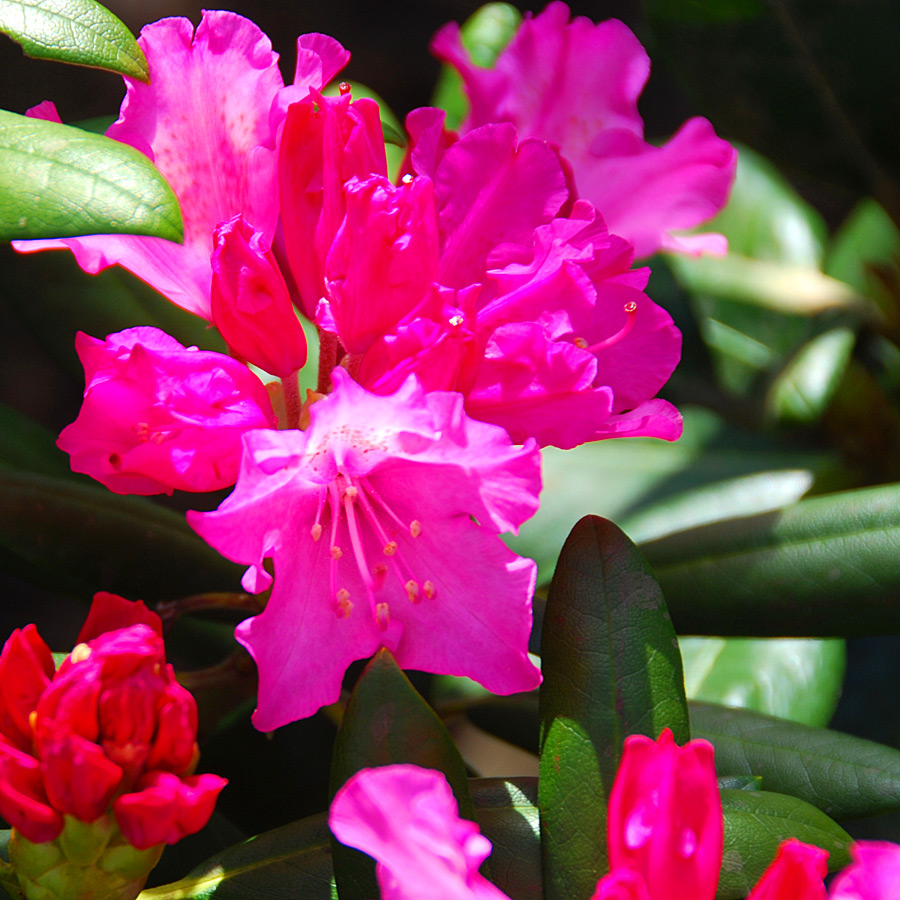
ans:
x=484 y=34
x=803 y=390
x=611 y=668
x=24 y=444
x=756 y=822
x=283 y=864
x=388 y=722
x=81 y=32
x=57 y=181
x=506 y=810
x=842 y=775
x=57 y=532
x=826 y=566
x=793 y=678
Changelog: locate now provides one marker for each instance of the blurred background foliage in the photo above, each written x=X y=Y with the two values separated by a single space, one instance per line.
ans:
x=790 y=382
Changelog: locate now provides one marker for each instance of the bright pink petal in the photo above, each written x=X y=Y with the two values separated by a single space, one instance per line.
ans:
x=204 y=120
x=874 y=874
x=408 y=820
x=621 y=884
x=381 y=519
x=428 y=141
x=796 y=873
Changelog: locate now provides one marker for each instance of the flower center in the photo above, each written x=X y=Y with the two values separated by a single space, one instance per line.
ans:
x=359 y=514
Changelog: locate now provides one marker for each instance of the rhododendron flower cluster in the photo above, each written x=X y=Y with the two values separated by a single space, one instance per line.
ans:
x=472 y=311
x=96 y=757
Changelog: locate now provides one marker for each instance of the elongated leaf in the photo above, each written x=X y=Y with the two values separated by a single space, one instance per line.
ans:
x=58 y=181
x=81 y=32
x=506 y=810
x=283 y=864
x=611 y=668
x=829 y=565
x=24 y=444
x=756 y=822
x=59 y=533
x=842 y=775
x=388 y=722
x=797 y=679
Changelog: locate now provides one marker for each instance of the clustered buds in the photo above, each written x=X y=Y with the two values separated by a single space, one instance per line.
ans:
x=96 y=756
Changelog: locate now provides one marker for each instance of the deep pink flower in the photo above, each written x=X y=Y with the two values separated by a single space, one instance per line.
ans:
x=110 y=721
x=210 y=120
x=665 y=817
x=874 y=874
x=796 y=873
x=382 y=521
x=251 y=305
x=159 y=416
x=576 y=85
x=407 y=818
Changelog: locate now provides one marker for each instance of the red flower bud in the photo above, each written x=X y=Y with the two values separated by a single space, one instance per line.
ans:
x=797 y=873
x=665 y=817
x=251 y=305
x=26 y=668
x=79 y=778
x=23 y=800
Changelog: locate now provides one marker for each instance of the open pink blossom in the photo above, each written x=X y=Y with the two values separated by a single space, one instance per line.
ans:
x=576 y=85
x=874 y=874
x=408 y=819
x=210 y=121
x=382 y=520
x=159 y=416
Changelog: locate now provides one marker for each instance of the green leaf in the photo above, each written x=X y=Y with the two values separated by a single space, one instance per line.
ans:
x=795 y=679
x=826 y=566
x=81 y=32
x=484 y=34
x=59 y=533
x=611 y=668
x=284 y=864
x=756 y=822
x=803 y=390
x=388 y=722
x=506 y=810
x=57 y=181
x=24 y=444
x=651 y=488
x=842 y=775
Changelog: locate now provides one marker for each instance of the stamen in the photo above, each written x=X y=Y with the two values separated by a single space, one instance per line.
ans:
x=358 y=551
x=316 y=531
x=390 y=548
x=351 y=492
x=344 y=88
x=379 y=573
x=412 y=591
x=406 y=179
x=580 y=343
x=342 y=603
x=382 y=616
x=415 y=528
x=430 y=589
x=631 y=313
x=455 y=321
x=336 y=552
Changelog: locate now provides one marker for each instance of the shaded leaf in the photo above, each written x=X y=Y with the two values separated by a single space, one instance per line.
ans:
x=24 y=444
x=611 y=668
x=81 y=32
x=792 y=678
x=826 y=566
x=842 y=775
x=59 y=181
x=388 y=722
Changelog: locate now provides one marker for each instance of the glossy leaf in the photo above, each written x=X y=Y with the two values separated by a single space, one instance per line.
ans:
x=826 y=566
x=57 y=532
x=611 y=668
x=59 y=181
x=388 y=722
x=756 y=822
x=802 y=391
x=81 y=32
x=842 y=775
x=651 y=488
x=792 y=678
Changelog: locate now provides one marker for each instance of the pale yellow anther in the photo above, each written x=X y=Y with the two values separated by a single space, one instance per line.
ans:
x=342 y=603
x=336 y=552
x=390 y=548
x=80 y=653
x=412 y=591
x=316 y=531
x=455 y=321
x=429 y=589
x=382 y=616
x=351 y=492
x=581 y=343
x=415 y=528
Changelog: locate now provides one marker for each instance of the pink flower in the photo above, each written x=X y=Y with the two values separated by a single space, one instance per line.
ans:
x=796 y=873
x=407 y=818
x=665 y=817
x=159 y=416
x=382 y=521
x=210 y=120
x=576 y=85
x=491 y=284
x=251 y=305
x=874 y=874
x=77 y=741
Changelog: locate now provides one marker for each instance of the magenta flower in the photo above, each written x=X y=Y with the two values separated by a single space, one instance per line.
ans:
x=576 y=85
x=874 y=874
x=158 y=416
x=796 y=873
x=490 y=283
x=382 y=521
x=209 y=119
x=407 y=818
